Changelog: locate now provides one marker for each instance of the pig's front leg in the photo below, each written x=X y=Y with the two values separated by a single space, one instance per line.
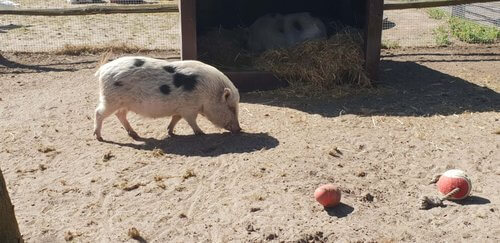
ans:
x=191 y=120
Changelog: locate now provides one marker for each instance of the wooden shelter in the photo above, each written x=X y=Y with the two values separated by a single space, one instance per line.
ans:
x=198 y=16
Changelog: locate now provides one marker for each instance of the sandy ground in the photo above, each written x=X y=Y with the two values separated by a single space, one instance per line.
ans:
x=414 y=27
x=406 y=28
x=409 y=27
x=32 y=4
x=156 y=31
x=434 y=109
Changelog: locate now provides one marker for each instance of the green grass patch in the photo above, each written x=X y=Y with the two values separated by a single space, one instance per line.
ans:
x=436 y=13
x=387 y=44
x=471 y=32
x=442 y=36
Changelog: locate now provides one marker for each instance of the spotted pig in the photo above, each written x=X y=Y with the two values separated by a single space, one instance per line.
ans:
x=158 y=88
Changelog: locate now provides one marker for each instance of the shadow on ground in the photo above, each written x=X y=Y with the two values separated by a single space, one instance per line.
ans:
x=340 y=211
x=16 y=67
x=207 y=145
x=474 y=200
x=408 y=89
x=19 y=63
x=5 y=28
x=386 y=24
x=445 y=57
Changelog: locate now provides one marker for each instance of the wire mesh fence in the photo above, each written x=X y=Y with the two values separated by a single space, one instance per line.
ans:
x=148 y=31
x=477 y=23
x=455 y=25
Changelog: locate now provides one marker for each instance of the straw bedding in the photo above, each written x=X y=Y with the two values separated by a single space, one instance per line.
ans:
x=322 y=64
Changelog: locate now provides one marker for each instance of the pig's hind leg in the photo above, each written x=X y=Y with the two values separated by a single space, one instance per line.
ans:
x=122 y=116
x=173 y=122
x=101 y=112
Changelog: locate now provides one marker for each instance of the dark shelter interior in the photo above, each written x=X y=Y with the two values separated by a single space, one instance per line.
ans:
x=230 y=14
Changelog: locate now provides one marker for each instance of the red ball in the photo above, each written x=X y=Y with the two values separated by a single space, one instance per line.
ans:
x=452 y=179
x=327 y=195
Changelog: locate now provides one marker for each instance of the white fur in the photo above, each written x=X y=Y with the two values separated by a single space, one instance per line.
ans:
x=314 y=28
x=214 y=95
x=279 y=31
x=266 y=33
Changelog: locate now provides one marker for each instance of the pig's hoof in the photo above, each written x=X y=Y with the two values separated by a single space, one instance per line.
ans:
x=98 y=137
x=134 y=135
x=199 y=133
x=171 y=133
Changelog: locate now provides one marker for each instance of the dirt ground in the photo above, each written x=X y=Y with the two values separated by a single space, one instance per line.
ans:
x=433 y=110
x=409 y=28
x=153 y=31
x=160 y=31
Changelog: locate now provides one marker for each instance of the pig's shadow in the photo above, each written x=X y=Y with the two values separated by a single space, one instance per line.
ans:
x=207 y=145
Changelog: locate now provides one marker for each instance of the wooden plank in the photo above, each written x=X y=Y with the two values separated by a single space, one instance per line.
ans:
x=373 y=37
x=189 y=48
x=248 y=81
x=394 y=6
x=93 y=9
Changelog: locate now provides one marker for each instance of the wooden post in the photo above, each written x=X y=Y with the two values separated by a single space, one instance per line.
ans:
x=9 y=230
x=187 y=14
x=373 y=36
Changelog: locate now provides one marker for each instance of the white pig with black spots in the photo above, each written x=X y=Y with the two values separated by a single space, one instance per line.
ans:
x=158 y=88
x=274 y=31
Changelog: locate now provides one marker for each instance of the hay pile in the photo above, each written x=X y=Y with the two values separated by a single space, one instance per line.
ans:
x=322 y=63
x=319 y=64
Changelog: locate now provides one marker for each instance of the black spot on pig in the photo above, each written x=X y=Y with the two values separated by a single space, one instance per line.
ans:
x=188 y=82
x=165 y=89
x=297 y=26
x=169 y=69
x=118 y=84
x=139 y=62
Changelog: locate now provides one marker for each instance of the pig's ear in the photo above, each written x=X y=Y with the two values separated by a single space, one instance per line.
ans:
x=226 y=94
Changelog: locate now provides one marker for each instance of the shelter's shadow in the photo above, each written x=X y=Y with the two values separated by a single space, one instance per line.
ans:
x=5 y=28
x=19 y=63
x=386 y=24
x=406 y=89
x=207 y=145
x=340 y=211
x=29 y=68
x=474 y=200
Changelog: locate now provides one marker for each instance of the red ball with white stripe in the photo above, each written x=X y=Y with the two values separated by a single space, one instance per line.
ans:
x=452 y=179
